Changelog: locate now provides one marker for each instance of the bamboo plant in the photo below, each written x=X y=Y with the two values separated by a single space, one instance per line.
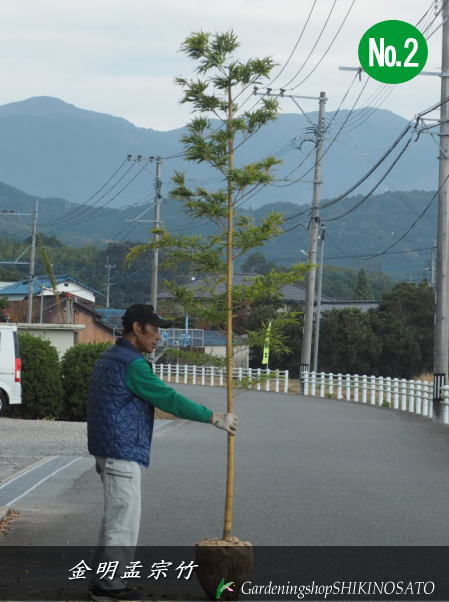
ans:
x=214 y=136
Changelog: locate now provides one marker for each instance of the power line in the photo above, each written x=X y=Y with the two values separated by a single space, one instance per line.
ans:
x=86 y=203
x=326 y=129
x=326 y=150
x=386 y=89
x=95 y=214
x=421 y=215
x=296 y=44
x=373 y=168
x=313 y=47
x=327 y=49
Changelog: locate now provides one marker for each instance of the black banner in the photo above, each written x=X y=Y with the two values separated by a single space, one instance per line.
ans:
x=277 y=573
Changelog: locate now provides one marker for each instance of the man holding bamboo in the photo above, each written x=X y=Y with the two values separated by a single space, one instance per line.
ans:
x=123 y=393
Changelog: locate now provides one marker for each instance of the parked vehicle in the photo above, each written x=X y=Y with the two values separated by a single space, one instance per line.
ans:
x=10 y=377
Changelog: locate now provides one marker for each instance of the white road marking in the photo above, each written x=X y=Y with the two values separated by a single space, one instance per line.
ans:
x=22 y=473
x=42 y=481
x=36 y=466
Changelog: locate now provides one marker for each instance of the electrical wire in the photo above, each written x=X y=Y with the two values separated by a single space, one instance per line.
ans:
x=386 y=89
x=327 y=49
x=326 y=150
x=326 y=129
x=373 y=189
x=296 y=44
x=96 y=211
x=410 y=228
x=285 y=86
x=370 y=171
x=74 y=215
x=86 y=203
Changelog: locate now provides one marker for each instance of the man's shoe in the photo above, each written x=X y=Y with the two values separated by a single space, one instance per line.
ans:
x=104 y=595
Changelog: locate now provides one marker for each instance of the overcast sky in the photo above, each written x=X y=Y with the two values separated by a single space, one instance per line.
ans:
x=120 y=56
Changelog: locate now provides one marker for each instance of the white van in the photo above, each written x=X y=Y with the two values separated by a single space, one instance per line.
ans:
x=10 y=385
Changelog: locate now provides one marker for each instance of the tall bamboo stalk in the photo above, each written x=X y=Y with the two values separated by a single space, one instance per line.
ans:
x=229 y=351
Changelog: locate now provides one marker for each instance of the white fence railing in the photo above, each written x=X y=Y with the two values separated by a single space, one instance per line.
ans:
x=408 y=395
x=252 y=378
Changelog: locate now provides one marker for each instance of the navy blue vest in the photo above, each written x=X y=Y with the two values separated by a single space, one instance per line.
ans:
x=119 y=424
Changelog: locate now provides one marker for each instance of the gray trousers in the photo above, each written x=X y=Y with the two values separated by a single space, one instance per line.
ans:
x=121 y=520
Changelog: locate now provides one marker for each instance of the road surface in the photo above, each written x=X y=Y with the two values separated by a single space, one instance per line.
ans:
x=309 y=471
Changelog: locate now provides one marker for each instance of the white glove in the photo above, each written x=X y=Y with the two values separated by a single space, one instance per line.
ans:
x=227 y=422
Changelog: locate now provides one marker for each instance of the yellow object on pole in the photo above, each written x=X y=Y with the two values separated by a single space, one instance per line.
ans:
x=266 y=346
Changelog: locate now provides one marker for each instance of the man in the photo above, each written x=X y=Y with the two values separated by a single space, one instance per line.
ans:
x=123 y=393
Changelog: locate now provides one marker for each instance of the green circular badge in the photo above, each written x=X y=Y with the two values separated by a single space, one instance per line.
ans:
x=393 y=52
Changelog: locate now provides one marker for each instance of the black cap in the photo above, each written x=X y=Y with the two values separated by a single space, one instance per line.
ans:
x=144 y=314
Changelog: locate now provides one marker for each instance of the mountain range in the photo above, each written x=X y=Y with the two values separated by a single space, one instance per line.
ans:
x=370 y=226
x=50 y=148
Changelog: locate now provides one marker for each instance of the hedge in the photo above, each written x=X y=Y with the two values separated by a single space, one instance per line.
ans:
x=42 y=391
x=77 y=366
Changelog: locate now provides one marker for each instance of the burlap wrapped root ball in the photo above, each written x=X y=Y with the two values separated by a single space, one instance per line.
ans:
x=230 y=560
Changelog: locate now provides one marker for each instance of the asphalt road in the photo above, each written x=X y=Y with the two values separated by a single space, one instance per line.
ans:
x=308 y=472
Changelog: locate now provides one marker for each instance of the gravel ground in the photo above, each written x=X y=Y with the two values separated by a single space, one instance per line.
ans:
x=42 y=438
x=24 y=442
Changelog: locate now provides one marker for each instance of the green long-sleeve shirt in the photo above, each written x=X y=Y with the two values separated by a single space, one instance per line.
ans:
x=142 y=381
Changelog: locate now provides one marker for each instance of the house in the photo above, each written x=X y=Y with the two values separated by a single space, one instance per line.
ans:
x=71 y=311
x=75 y=305
x=42 y=288
x=291 y=294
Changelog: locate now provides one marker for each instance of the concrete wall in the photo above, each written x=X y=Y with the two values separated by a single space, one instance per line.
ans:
x=62 y=336
x=241 y=354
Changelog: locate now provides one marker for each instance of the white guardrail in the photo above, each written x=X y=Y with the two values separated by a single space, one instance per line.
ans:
x=414 y=396
x=253 y=378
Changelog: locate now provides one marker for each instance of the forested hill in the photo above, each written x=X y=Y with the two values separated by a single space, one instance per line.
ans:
x=52 y=148
x=370 y=229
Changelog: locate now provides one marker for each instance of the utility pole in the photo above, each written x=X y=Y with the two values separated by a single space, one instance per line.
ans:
x=306 y=347
x=318 y=303
x=156 y=222
x=441 y=340
x=32 y=264
x=157 y=219
x=433 y=259
x=108 y=267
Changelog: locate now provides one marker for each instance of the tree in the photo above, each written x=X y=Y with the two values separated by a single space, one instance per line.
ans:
x=222 y=78
x=258 y=263
x=412 y=307
x=348 y=343
x=362 y=289
x=400 y=353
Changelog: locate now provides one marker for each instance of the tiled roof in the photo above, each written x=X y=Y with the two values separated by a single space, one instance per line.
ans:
x=21 y=288
x=290 y=292
x=112 y=317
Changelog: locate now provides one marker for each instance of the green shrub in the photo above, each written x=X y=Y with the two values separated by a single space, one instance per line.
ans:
x=42 y=392
x=77 y=366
